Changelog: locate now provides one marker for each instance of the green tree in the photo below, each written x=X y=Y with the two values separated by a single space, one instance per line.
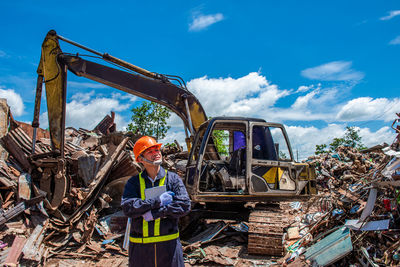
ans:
x=282 y=155
x=150 y=119
x=321 y=149
x=337 y=142
x=351 y=138
x=220 y=138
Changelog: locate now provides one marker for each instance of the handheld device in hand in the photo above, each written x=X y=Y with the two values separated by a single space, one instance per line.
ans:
x=154 y=192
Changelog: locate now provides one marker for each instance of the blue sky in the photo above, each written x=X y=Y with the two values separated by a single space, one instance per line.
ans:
x=316 y=66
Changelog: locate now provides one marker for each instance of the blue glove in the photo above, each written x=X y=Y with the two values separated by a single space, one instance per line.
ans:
x=166 y=198
x=148 y=216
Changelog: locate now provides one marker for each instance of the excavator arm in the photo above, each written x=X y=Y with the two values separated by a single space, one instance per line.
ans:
x=52 y=71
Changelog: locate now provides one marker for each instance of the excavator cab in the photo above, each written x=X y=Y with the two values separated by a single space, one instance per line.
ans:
x=236 y=159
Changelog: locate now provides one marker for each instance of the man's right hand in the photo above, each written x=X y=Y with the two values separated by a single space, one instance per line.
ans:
x=166 y=198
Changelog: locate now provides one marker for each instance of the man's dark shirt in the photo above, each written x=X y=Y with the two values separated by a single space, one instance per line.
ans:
x=134 y=207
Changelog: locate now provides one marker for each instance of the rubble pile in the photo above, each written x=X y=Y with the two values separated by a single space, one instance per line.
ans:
x=353 y=221
x=63 y=207
x=355 y=218
x=175 y=158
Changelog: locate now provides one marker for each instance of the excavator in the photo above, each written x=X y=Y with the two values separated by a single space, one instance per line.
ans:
x=236 y=165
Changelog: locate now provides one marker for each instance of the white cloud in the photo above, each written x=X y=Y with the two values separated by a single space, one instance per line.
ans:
x=283 y=114
x=175 y=121
x=83 y=97
x=303 y=101
x=304 y=139
x=200 y=22
x=122 y=125
x=87 y=113
x=383 y=135
x=315 y=105
x=175 y=134
x=303 y=88
x=306 y=88
x=395 y=41
x=86 y=85
x=254 y=96
x=245 y=96
x=333 y=71
x=367 y=108
x=14 y=100
x=125 y=96
x=392 y=14
x=3 y=54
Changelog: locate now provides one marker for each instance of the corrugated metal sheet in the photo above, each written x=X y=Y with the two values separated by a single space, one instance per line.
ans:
x=125 y=166
x=107 y=125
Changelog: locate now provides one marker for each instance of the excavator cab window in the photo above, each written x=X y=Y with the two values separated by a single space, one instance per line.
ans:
x=224 y=163
x=281 y=146
x=263 y=144
x=271 y=169
x=269 y=144
x=191 y=170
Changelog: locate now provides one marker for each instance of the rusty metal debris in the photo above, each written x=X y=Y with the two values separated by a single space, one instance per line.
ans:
x=354 y=220
x=360 y=199
x=54 y=207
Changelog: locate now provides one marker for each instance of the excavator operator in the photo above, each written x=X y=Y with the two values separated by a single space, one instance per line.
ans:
x=154 y=199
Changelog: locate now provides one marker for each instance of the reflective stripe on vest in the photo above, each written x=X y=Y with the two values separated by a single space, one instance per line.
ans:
x=156 y=237
x=146 y=240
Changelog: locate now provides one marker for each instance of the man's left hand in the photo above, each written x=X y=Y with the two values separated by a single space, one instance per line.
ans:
x=148 y=216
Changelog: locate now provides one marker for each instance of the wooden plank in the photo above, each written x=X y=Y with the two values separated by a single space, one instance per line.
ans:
x=265 y=229
x=4 y=121
x=14 y=253
x=98 y=181
x=33 y=249
x=293 y=233
x=24 y=186
x=265 y=241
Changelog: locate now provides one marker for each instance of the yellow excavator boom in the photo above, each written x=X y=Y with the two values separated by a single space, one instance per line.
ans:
x=52 y=71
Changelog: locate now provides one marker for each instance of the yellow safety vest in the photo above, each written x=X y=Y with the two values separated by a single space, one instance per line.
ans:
x=157 y=237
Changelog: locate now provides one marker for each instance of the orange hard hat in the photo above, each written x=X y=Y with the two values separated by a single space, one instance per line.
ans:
x=144 y=143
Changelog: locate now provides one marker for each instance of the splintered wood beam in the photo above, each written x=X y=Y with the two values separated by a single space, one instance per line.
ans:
x=14 y=253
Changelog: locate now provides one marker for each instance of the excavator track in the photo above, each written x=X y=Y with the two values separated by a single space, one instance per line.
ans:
x=266 y=229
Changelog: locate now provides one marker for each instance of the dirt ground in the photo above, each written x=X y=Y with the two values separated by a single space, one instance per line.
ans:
x=122 y=261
